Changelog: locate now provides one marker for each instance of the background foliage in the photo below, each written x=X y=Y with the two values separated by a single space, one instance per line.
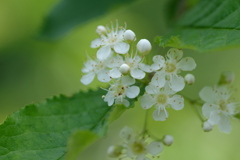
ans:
x=33 y=69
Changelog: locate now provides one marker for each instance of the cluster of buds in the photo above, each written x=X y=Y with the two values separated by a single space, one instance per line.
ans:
x=138 y=146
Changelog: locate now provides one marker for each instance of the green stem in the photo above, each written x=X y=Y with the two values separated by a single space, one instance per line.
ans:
x=145 y=123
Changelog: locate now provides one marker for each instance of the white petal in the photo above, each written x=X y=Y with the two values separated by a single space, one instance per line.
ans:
x=137 y=73
x=177 y=102
x=187 y=64
x=155 y=147
x=126 y=80
x=176 y=82
x=103 y=53
x=158 y=79
x=151 y=89
x=121 y=47
x=109 y=98
x=160 y=115
x=142 y=157
x=147 y=101
x=132 y=92
x=96 y=43
x=208 y=95
x=145 y=67
x=116 y=61
x=214 y=117
x=207 y=108
x=89 y=66
x=88 y=78
x=175 y=53
x=158 y=62
x=103 y=75
x=127 y=135
x=224 y=124
x=120 y=100
x=115 y=73
x=231 y=107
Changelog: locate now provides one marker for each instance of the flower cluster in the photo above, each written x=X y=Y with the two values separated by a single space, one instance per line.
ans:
x=166 y=82
x=136 y=146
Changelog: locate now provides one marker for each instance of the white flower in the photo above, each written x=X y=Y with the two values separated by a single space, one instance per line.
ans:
x=168 y=140
x=136 y=146
x=133 y=64
x=101 y=30
x=144 y=46
x=92 y=68
x=189 y=79
x=129 y=36
x=218 y=108
x=114 y=151
x=161 y=98
x=206 y=126
x=112 y=39
x=170 y=68
x=121 y=89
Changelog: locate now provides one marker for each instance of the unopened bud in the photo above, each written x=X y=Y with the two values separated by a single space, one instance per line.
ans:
x=124 y=68
x=101 y=30
x=206 y=126
x=226 y=78
x=189 y=79
x=114 y=151
x=168 y=140
x=144 y=46
x=129 y=36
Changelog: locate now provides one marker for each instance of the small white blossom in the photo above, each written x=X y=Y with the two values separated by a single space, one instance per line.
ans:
x=93 y=68
x=227 y=77
x=161 y=98
x=144 y=46
x=189 y=79
x=136 y=147
x=129 y=36
x=169 y=69
x=217 y=107
x=101 y=30
x=111 y=40
x=134 y=63
x=168 y=140
x=120 y=90
x=206 y=126
x=114 y=151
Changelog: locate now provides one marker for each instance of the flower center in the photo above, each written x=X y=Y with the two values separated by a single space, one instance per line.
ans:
x=223 y=105
x=138 y=148
x=162 y=98
x=170 y=67
x=119 y=90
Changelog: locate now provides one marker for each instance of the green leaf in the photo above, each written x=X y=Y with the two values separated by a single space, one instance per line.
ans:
x=40 y=132
x=70 y=13
x=210 y=25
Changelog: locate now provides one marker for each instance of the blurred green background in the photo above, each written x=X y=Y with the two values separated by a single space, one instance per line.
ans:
x=33 y=69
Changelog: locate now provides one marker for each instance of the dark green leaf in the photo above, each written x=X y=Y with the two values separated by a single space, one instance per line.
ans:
x=210 y=25
x=70 y=13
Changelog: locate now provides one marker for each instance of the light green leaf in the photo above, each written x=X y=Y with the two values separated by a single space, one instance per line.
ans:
x=40 y=132
x=210 y=25
x=70 y=13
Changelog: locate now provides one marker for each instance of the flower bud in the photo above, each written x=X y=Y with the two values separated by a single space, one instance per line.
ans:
x=189 y=79
x=101 y=30
x=114 y=151
x=226 y=78
x=168 y=140
x=124 y=68
x=144 y=46
x=206 y=126
x=129 y=36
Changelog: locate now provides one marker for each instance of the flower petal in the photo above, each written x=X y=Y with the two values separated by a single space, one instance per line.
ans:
x=187 y=64
x=116 y=61
x=115 y=73
x=208 y=95
x=151 y=89
x=158 y=79
x=127 y=135
x=177 y=102
x=158 y=62
x=132 y=92
x=224 y=123
x=175 y=53
x=120 y=100
x=160 y=114
x=109 y=98
x=145 y=67
x=147 y=101
x=103 y=53
x=155 y=147
x=207 y=108
x=214 y=117
x=88 y=78
x=121 y=48
x=176 y=82
x=137 y=73
x=96 y=43
x=103 y=75
x=127 y=81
